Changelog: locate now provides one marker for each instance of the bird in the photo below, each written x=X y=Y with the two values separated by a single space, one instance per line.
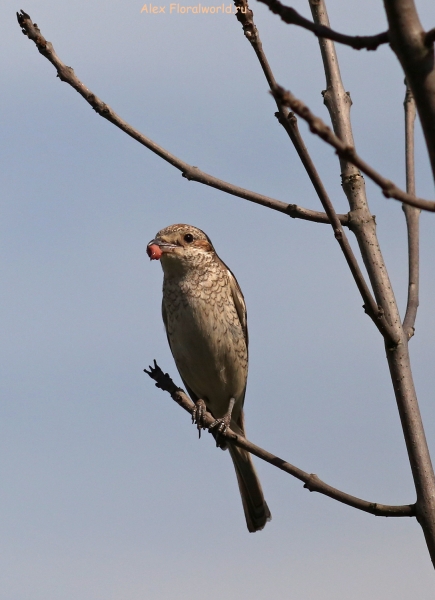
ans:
x=204 y=315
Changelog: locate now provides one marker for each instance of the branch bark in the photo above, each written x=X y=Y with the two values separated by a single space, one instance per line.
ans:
x=338 y=104
x=292 y=17
x=190 y=172
x=412 y=216
x=311 y=481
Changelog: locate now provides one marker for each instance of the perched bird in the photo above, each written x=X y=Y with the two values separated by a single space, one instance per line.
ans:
x=204 y=314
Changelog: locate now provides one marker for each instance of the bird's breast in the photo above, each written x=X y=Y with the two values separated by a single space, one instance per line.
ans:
x=207 y=339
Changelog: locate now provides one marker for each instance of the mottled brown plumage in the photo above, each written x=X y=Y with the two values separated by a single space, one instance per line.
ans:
x=204 y=314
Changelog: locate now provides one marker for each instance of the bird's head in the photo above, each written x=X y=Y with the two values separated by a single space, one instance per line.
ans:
x=179 y=244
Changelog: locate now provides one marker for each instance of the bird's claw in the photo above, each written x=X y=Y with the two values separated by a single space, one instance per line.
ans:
x=198 y=415
x=220 y=427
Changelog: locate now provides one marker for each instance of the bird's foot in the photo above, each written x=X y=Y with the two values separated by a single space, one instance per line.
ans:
x=219 y=427
x=198 y=414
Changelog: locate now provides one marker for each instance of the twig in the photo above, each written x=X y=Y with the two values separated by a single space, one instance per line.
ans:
x=292 y=17
x=412 y=216
x=289 y=122
x=189 y=172
x=319 y=127
x=311 y=481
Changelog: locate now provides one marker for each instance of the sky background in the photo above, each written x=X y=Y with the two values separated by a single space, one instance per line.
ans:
x=106 y=492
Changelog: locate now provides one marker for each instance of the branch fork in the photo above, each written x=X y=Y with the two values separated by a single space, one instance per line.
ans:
x=189 y=172
x=290 y=16
x=346 y=151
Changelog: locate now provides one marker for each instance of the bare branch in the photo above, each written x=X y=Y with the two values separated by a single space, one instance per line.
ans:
x=412 y=215
x=397 y=356
x=415 y=51
x=362 y=222
x=410 y=114
x=289 y=122
x=306 y=214
x=311 y=481
x=189 y=172
x=372 y=309
x=319 y=127
x=292 y=17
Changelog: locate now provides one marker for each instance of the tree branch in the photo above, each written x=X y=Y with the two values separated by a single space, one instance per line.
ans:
x=412 y=216
x=415 y=51
x=189 y=172
x=398 y=356
x=375 y=312
x=292 y=17
x=289 y=122
x=362 y=223
x=311 y=481
x=346 y=152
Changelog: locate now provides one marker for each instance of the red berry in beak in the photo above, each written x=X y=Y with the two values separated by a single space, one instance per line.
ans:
x=154 y=251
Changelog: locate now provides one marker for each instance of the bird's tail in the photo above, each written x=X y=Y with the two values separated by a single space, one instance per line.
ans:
x=257 y=512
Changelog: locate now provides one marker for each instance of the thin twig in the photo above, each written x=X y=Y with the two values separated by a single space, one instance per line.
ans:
x=289 y=122
x=319 y=127
x=311 y=481
x=189 y=172
x=292 y=17
x=412 y=215
x=410 y=114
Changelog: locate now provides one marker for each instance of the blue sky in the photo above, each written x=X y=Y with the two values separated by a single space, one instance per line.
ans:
x=106 y=491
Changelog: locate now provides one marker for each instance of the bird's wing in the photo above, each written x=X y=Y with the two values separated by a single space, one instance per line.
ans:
x=165 y=322
x=239 y=301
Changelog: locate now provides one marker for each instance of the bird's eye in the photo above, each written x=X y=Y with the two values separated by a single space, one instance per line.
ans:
x=188 y=238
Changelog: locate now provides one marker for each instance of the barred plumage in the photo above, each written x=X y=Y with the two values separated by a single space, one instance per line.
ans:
x=204 y=314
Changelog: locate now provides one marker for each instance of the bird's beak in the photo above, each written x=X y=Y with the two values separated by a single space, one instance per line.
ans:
x=157 y=247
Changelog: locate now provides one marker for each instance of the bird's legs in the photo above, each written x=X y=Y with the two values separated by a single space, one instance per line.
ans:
x=198 y=415
x=219 y=426
x=223 y=423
